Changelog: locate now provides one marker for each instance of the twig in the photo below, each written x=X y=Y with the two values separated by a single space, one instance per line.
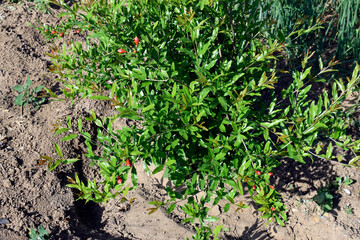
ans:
x=232 y=30
x=315 y=155
x=156 y=80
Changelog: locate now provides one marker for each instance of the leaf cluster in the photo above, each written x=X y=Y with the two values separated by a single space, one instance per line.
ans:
x=28 y=95
x=325 y=195
x=40 y=234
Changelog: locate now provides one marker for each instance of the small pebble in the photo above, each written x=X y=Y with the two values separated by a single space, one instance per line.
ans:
x=347 y=191
x=4 y=221
x=315 y=219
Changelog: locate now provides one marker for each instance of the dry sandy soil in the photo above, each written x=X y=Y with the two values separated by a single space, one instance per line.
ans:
x=30 y=195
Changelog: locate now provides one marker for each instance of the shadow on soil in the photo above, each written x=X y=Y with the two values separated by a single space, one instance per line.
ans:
x=299 y=178
x=84 y=218
x=251 y=233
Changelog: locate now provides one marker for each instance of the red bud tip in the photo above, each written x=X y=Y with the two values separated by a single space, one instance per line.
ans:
x=128 y=163
x=121 y=51
x=136 y=41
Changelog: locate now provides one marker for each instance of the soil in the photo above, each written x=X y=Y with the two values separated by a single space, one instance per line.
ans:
x=31 y=196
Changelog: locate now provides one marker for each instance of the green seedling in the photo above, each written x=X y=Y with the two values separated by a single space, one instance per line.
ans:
x=324 y=199
x=345 y=180
x=42 y=5
x=28 y=95
x=40 y=234
x=349 y=210
x=325 y=195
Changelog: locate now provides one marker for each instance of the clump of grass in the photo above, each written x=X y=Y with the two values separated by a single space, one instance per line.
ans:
x=339 y=20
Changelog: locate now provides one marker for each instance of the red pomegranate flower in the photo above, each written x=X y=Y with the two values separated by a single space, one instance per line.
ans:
x=136 y=41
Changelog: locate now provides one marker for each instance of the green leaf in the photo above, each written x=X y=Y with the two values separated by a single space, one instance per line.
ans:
x=318 y=148
x=149 y=107
x=69 y=137
x=53 y=166
x=204 y=49
x=226 y=207
x=134 y=176
x=266 y=134
x=127 y=113
x=223 y=102
x=244 y=166
x=19 y=100
x=354 y=160
x=42 y=230
x=113 y=89
x=240 y=188
x=315 y=127
x=208 y=66
x=28 y=82
x=321 y=65
x=217 y=230
x=39 y=89
x=68 y=122
x=304 y=75
x=267 y=147
x=183 y=133
x=272 y=124
x=270 y=193
x=222 y=128
x=63 y=14
x=171 y=208
x=220 y=155
x=164 y=74
x=18 y=88
x=203 y=94
x=58 y=150
x=67 y=161
x=194 y=179
x=211 y=219
x=158 y=169
x=99 y=97
x=170 y=162
x=61 y=130
x=136 y=153
x=329 y=151
x=79 y=124
x=173 y=92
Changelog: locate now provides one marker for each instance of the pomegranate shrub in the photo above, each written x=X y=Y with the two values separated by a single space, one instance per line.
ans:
x=201 y=78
